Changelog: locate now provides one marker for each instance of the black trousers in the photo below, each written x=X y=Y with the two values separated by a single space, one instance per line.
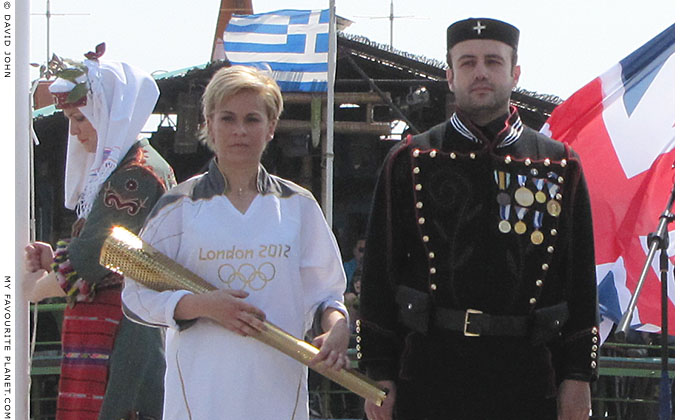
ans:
x=413 y=404
x=446 y=377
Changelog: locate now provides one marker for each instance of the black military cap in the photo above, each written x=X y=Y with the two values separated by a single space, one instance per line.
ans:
x=482 y=28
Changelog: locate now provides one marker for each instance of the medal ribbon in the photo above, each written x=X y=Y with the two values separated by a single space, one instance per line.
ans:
x=537 y=237
x=502 y=179
x=538 y=218
x=553 y=188
x=520 y=212
x=539 y=183
x=522 y=179
x=504 y=212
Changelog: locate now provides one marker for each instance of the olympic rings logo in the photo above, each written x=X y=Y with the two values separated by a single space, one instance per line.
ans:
x=247 y=275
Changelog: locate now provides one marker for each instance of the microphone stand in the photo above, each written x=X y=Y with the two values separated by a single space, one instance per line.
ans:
x=665 y=383
x=658 y=240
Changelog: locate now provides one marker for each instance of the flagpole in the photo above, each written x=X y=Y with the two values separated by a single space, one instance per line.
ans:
x=327 y=182
x=21 y=209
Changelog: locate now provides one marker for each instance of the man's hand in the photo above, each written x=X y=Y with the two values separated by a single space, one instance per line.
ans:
x=574 y=400
x=385 y=412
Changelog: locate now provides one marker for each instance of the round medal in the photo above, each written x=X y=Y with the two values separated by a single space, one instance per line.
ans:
x=537 y=237
x=524 y=197
x=504 y=226
x=520 y=227
x=503 y=198
x=553 y=207
x=540 y=197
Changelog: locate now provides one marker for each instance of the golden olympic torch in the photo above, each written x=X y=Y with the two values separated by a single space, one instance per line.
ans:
x=127 y=254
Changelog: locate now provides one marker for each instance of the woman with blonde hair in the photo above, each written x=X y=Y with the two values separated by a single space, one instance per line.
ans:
x=264 y=243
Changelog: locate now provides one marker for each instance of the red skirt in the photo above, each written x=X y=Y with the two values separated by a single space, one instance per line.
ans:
x=88 y=336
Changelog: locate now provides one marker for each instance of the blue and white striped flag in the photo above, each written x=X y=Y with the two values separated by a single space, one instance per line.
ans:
x=293 y=43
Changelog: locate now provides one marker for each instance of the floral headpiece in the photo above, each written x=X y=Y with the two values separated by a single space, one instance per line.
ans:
x=71 y=86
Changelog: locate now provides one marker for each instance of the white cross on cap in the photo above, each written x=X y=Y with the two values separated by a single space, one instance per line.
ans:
x=479 y=27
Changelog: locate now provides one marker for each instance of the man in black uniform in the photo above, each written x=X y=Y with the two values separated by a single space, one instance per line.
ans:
x=478 y=293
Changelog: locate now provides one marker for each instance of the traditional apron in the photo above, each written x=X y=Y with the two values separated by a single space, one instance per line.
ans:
x=88 y=335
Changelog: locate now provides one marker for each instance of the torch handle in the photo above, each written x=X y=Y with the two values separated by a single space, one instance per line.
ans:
x=125 y=253
x=304 y=352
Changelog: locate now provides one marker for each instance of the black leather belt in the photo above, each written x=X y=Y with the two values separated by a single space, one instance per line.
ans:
x=474 y=323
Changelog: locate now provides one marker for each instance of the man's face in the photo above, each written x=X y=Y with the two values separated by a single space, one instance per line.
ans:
x=482 y=77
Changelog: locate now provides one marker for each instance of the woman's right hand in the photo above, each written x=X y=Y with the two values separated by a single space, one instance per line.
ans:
x=38 y=256
x=226 y=307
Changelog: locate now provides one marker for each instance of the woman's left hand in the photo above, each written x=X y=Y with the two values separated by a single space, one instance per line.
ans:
x=333 y=346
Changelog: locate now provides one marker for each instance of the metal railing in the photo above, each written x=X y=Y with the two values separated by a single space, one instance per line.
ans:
x=627 y=388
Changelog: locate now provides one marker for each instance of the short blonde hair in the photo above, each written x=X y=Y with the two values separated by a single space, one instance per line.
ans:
x=230 y=81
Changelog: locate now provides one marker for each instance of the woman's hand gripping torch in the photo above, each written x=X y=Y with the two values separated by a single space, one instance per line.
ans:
x=127 y=254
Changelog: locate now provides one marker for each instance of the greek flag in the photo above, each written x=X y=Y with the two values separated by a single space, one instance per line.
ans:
x=293 y=43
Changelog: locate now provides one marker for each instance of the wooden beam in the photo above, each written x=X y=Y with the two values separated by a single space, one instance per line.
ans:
x=341 y=127
x=340 y=97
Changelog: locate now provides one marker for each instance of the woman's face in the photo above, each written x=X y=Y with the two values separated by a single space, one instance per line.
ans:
x=240 y=129
x=357 y=286
x=81 y=128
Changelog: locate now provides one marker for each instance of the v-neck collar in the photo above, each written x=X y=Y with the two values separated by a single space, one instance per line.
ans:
x=511 y=132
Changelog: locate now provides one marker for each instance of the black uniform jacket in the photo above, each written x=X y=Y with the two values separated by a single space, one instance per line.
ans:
x=449 y=229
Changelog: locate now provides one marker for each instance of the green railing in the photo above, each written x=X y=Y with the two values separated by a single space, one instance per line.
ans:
x=627 y=387
x=629 y=383
x=45 y=365
x=641 y=367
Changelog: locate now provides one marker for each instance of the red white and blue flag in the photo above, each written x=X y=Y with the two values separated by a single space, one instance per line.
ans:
x=622 y=124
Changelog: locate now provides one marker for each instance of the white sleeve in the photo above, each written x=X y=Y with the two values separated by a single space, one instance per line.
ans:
x=145 y=305
x=321 y=267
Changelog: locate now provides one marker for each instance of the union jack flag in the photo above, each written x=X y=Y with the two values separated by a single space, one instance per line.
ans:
x=622 y=124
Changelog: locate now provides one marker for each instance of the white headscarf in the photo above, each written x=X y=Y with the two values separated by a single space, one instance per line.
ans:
x=119 y=102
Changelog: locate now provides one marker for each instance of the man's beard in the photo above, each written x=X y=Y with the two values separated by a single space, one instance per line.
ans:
x=486 y=108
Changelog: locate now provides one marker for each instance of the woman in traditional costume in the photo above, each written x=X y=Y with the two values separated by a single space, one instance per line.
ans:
x=112 y=368
x=264 y=243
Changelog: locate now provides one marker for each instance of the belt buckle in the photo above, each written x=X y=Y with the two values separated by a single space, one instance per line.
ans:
x=467 y=321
